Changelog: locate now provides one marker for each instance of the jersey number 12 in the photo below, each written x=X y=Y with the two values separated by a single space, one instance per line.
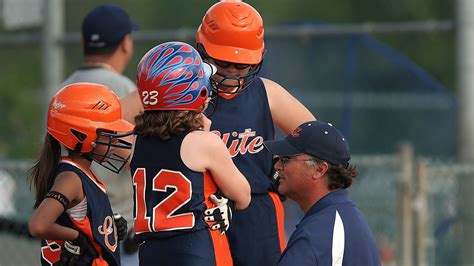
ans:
x=162 y=216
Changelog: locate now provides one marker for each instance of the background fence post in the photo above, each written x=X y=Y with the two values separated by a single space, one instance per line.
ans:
x=465 y=68
x=422 y=225
x=405 y=203
x=53 y=48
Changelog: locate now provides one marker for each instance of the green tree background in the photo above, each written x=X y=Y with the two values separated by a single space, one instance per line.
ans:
x=22 y=107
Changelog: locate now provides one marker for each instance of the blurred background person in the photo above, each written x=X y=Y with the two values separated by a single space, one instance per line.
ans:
x=107 y=48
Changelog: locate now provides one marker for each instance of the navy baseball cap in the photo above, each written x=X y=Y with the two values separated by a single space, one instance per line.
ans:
x=105 y=26
x=316 y=138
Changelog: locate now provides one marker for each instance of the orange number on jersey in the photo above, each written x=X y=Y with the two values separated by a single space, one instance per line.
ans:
x=142 y=221
x=164 y=218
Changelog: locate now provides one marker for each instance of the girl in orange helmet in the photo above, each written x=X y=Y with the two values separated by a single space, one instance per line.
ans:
x=72 y=213
x=246 y=110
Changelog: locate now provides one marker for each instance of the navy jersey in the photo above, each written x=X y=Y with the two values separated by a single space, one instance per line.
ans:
x=169 y=197
x=170 y=200
x=244 y=122
x=332 y=232
x=98 y=224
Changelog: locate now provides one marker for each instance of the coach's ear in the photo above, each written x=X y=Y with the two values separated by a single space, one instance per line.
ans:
x=320 y=170
x=127 y=44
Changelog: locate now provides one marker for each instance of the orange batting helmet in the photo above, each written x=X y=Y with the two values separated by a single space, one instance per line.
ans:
x=232 y=31
x=81 y=112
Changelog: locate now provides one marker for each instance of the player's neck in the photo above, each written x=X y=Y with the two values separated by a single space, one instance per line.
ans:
x=104 y=62
x=80 y=160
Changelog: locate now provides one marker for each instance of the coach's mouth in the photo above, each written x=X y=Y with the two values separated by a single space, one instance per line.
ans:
x=280 y=177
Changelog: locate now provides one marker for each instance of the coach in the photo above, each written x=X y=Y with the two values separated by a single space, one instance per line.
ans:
x=314 y=171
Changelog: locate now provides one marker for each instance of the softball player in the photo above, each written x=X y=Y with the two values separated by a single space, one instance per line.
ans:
x=73 y=214
x=244 y=112
x=177 y=164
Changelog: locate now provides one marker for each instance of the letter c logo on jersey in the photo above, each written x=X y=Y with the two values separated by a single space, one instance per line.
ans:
x=109 y=230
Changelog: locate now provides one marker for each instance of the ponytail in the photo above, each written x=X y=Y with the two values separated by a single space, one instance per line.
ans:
x=42 y=173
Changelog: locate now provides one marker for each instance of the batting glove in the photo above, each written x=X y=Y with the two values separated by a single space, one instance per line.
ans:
x=74 y=250
x=121 y=225
x=221 y=214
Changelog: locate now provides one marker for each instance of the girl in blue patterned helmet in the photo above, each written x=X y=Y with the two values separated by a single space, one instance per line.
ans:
x=178 y=165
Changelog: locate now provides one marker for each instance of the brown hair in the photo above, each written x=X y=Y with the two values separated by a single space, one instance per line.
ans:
x=339 y=177
x=42 y=173
x=165 y=124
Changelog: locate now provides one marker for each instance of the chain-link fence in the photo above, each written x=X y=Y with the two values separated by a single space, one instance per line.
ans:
x=16 y=206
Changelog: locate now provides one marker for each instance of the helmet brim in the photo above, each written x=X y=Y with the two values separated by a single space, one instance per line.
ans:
x=119 y=126
x=234 y=54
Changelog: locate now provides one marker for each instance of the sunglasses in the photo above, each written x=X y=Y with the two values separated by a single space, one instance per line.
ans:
x=226 y=64
x=285 y=159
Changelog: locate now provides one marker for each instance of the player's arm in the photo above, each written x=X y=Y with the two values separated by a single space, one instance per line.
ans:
x=203 y=151
x=131 y=106
x=43 y=222
x=287 y=112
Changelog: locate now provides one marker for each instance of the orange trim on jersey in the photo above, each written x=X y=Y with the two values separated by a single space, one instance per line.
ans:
x=210 y=187
x=219 y=242
x=85 y=227
x=280 y=215
x=88 y=173
x=221 y=248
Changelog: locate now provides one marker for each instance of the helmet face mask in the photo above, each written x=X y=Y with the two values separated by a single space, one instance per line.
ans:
x=242 y=82
x=221 y=80
x=110 y=155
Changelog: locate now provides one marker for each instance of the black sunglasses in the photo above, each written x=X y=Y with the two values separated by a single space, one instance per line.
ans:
x=226 y=64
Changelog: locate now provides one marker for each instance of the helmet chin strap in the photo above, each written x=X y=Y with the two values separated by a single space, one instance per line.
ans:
x=78 y=149
x=87 y=157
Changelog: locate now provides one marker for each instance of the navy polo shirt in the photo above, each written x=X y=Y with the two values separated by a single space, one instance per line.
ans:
x=333 y=232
